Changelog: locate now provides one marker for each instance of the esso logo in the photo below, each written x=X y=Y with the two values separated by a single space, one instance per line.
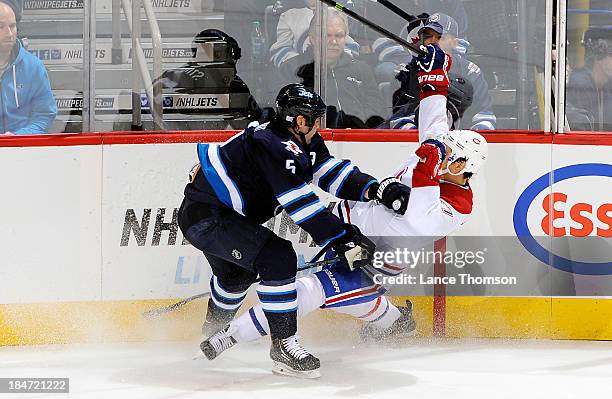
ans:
x=559 y=218
x=561 y=213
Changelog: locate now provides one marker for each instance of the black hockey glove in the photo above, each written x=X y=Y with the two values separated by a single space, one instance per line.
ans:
x=354 y=247
x=392 y=194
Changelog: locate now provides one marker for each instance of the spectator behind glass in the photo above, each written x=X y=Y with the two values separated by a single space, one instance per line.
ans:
x=590 y=87
x=351 y=91
x=292 y=36
x=28 y=106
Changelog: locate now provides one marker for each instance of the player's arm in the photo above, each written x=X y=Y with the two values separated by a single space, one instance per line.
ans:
x=344 y=180
x=339 y=177
x=433 y=81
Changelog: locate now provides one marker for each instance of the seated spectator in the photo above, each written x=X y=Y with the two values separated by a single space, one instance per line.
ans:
x=590 y=87
x=482 y=117
x=292 y=36
x=28 y=106
x=351 y=89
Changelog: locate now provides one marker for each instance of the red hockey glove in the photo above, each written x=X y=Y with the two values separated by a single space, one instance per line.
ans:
x=433 y=72
x=426 y=172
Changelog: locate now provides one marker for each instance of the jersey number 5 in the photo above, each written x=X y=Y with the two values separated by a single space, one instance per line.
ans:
x=290 y=165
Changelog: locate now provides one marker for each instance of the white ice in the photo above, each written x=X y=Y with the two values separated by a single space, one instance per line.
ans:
x=416 y=368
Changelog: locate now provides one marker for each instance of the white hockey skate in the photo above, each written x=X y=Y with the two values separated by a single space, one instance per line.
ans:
x=404 y=326
x=291 y=359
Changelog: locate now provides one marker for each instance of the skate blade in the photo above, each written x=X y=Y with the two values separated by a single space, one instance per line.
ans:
x=368 y=339
x=283 y=369
x=199 y=355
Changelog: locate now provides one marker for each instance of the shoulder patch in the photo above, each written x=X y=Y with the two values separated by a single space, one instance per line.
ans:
x=292 y=147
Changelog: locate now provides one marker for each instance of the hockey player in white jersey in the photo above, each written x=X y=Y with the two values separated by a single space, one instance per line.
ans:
x=440 y=202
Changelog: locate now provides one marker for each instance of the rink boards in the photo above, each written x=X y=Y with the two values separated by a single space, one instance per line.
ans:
x=90 y=240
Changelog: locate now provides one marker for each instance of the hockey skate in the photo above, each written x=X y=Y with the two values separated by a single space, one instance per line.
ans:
x=404 y=326
x=217 y=343
x=291 y=359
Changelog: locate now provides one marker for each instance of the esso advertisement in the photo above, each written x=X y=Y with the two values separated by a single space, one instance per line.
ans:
x=573 y=201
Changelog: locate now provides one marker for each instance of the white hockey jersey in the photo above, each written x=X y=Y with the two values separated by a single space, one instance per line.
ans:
x=433 y=211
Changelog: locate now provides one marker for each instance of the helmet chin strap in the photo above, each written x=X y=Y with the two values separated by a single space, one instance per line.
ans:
x=453 y=174
x=447 y=170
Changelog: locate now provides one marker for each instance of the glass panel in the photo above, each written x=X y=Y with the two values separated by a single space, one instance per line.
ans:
x=588 y=105
x=42 y=65
x=497 y=46
x=196 y=75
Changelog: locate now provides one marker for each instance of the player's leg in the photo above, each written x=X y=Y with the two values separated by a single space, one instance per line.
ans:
x=383 y=319
x=253 y=324
x=276 y=263
x=230 y=245
x=347 y=292
x=228 y=288
x=344 y=291
x=277 y=292
x=356 y=294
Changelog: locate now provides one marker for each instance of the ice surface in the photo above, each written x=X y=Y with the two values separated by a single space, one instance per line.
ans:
x=416 y=368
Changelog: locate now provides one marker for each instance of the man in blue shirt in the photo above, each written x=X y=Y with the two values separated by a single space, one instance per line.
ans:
x=27 y=105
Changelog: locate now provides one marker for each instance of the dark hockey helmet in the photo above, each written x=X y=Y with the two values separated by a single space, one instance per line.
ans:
x=296 y=99
x=460 y=95
x=215 y=35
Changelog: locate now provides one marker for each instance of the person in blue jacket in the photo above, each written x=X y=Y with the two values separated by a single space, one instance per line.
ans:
x=27 y=105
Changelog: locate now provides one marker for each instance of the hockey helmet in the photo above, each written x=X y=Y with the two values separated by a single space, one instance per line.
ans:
x=233 y=52
x=460 y=95
x=468 y=145
x=296 y=99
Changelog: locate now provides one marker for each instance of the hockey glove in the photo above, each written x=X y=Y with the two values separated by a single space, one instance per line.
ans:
x=433 y=72
x=393 y=194
x=426 y=172
x=354 y=247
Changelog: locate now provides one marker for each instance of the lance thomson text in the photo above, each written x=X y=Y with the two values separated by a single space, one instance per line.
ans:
x=460 y=279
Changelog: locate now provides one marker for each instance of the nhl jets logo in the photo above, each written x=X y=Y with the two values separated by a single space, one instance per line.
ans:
x=292 y=147
x=305 y=93
x=236 y=254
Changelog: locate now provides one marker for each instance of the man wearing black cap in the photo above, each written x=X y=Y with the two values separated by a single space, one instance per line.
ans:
x=590 y=87
x=27 y=105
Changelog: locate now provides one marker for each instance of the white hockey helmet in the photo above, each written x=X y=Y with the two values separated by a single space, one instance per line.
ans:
x=469 y=145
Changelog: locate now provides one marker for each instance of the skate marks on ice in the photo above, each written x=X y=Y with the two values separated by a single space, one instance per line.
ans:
x=246 y=370
x=420 y=368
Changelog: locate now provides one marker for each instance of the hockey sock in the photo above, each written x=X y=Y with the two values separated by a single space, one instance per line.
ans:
x=254 y=324
x=379 y=311
x=226 y=303
x=279 y=304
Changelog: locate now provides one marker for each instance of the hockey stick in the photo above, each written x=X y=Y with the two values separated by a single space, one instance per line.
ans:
x=412 y=47
x=396 y=10
x=183 y=302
